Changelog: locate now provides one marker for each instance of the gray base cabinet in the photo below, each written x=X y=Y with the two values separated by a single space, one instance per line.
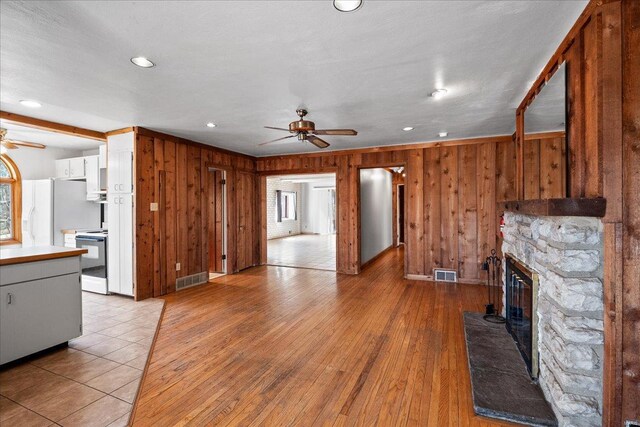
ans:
x=40 y=306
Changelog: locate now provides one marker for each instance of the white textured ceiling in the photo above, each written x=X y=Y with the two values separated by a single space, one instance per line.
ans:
x=48 y=138
x=247 y=64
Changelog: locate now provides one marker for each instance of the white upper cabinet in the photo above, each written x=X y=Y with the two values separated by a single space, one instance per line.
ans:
x=77 y=167
x=92 y=171
x=103 y=156
x=73 y=168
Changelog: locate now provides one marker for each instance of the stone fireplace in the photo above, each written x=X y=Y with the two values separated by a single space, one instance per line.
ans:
x=566 y=255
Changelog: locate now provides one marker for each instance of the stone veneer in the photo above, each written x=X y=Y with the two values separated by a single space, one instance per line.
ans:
x=567 y=254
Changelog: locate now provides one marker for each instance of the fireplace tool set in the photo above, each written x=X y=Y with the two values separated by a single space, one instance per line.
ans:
x=492 y=266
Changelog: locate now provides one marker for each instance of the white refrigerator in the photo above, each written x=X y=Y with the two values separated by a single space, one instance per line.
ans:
x=51 y=205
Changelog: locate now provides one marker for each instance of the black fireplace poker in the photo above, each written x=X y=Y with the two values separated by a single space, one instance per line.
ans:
x=492 y=266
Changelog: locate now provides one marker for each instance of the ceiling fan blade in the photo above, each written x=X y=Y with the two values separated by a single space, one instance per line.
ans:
x=279 y=139
x=271 y=127
x=25 y=144
x=334 y=132
x=317 y=141
x=8 y=145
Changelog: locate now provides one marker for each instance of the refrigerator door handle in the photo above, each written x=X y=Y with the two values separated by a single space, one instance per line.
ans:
x=33 y=235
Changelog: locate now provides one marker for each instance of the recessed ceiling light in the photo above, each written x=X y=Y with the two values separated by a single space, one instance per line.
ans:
x=407 y=129
x=347 y=5
x=143 y=62
x=30 y=103
x=443 y=134
x=211 y=125
x=438 y=93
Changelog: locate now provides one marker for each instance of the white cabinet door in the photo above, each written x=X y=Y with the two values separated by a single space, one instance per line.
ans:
x=63 y=169
x=126 y=244
x=76 y=167
x=102 y=164
x=114 y=243
x=92 y=171
x=39 y=314
x=126 y=172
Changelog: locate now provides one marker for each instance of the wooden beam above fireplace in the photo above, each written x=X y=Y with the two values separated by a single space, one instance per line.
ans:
x=593 y=207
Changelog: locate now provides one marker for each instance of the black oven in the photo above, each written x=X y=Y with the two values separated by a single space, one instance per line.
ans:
x=94 y=262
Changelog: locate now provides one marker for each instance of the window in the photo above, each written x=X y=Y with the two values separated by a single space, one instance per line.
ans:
x=285 y=205
x=10 y=201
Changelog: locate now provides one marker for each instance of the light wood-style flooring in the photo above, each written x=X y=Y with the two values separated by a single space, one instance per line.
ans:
x=303 y=250
x=284 y=346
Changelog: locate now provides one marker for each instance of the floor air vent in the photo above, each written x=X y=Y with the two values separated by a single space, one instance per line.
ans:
x=445 y=275
x=189 y=281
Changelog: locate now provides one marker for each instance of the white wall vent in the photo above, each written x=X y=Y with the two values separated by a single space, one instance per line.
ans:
x=441 y=275
x=193 y=280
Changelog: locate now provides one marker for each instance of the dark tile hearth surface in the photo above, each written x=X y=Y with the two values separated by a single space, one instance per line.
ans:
x=500 y=382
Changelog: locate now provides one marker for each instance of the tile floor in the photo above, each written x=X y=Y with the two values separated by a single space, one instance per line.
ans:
x=93 y=381
x=304 y=250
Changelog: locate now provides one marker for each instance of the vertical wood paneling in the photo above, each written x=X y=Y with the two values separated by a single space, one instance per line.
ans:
x=169 y=207
x=194 y=211
x=414 y=192
x=468 y=211
x=432 y=198
x=144 y=195
x=630 y=322
x=591 y=60
x=486 y=195
x=343 y=194
x=159 y=258
x=575 y=123
x=552 y=170
x=182 y=215
x=532 y=169
x=611 y=135
x=449 y=207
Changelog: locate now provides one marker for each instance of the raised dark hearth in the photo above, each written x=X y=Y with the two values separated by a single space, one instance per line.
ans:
x=500 y=381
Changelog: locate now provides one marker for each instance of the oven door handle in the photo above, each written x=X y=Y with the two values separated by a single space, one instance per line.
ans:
x=90 y=239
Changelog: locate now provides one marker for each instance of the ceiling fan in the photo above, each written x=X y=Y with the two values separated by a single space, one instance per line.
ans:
x=12 y=144
x=306 y=130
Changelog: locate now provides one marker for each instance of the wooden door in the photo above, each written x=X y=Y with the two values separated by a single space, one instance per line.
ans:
x=245 y=196
x=215 y=226
x=400 y=214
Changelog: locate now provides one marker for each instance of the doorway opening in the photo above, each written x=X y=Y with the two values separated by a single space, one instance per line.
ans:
x=382 y=211
x=301 y=221
x=216 y=223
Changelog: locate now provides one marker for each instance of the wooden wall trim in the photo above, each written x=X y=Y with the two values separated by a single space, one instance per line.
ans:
x=52 y=126
x=388 y=148
x=558 y=57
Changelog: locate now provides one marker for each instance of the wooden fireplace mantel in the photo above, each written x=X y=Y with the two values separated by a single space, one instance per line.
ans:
x=592 y=207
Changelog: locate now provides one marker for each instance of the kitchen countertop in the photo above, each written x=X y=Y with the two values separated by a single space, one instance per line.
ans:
x=10 y=256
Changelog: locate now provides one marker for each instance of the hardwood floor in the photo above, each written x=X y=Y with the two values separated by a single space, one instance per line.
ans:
x=286 y=346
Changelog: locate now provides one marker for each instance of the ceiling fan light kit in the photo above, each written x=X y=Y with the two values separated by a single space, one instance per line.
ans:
x=305 y=130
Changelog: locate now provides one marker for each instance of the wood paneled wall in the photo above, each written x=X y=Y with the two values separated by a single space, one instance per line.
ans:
x=545 y=166
x=451 y=192
x=174 y=173
x=602 y=52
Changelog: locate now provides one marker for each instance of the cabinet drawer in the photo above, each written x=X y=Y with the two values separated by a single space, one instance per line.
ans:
x=17 y=273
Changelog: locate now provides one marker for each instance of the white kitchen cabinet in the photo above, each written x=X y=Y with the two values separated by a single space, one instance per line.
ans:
x=40 y=306
x=77 y=167
x=120 y=264
x=62 y=168
x=120 y=172
x=73 y=168
x=92 y=171
x=103 y=156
